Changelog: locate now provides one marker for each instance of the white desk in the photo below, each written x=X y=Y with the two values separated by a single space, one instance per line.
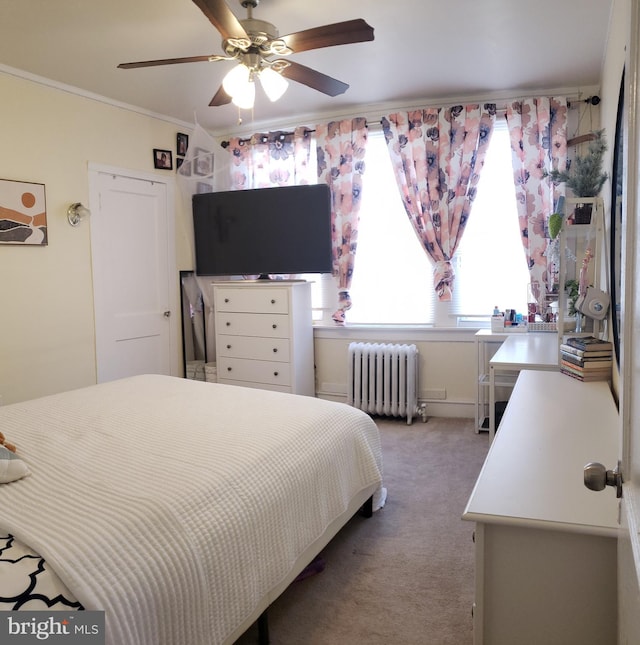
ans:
x=487 y=343
x=545 y=544
x=533 y=351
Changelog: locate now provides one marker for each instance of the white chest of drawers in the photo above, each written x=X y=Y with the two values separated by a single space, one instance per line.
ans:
x=546 y=546
x=264 y=335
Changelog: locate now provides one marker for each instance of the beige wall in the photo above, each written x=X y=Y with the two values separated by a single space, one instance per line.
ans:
x=46 y=305
x=447 y=365
x=46 y=309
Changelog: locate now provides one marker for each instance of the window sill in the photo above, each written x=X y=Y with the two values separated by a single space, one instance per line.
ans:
x=393 y=332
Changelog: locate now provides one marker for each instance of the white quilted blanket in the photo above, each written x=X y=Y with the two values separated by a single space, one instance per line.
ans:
x=175 y=505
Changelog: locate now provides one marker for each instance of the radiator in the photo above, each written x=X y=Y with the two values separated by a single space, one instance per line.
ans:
x=383 y=379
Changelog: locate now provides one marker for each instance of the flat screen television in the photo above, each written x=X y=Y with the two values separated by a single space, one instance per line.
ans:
x=263 y=231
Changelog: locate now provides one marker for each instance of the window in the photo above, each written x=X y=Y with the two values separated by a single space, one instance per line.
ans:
x=393 y=277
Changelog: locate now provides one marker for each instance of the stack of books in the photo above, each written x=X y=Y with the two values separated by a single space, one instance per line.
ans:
x=586 y=358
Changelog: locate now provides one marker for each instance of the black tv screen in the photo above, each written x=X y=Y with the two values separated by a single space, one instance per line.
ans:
x=263 y=231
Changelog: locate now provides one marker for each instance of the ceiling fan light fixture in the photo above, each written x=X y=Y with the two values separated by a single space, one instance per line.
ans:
x=236 y=80
x=273 y=84
x=245 y=97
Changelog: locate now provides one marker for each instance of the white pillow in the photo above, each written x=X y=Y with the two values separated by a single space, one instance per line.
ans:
x=11 y=466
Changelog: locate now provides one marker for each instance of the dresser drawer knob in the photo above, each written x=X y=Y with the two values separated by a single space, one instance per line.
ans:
x=228 y=324
x=226 y=299
x=275 y=373
x=275 y=350
x=273 y=302
x=275 y=326
x=228 y=369
x=228 y=346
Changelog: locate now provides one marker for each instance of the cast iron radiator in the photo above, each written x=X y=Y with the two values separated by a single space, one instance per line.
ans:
x=383 y=379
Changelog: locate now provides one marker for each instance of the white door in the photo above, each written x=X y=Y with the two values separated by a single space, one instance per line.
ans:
x=629 y=541
x=131 y=245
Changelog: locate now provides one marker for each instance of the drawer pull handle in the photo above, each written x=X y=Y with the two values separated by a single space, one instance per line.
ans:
x=226 y=299
x=228 y=324
x=228 y=346
x=275 y=373
x=275 y=350
x=275 y=326
x=228 y=369
x=273 y=302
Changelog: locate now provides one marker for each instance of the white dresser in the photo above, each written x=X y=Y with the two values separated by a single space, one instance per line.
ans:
x=545 y=544
x=264 y=335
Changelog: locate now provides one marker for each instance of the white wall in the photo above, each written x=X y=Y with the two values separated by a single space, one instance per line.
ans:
x=49 y=136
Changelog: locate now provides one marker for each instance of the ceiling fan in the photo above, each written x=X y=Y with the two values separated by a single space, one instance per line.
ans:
x=258 y=48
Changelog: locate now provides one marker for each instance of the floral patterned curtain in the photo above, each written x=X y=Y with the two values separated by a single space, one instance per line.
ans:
x=341 y=150
x=538 y=132
x=271 y=159
x=437 y=155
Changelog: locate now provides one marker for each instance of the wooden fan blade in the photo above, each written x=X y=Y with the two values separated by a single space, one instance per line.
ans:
x=221 y=98
x=172 y=61
x=340 y=33
x=314 y=79
x=222 y=18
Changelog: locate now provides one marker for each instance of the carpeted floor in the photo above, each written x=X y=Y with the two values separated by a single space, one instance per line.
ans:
x=405 y=576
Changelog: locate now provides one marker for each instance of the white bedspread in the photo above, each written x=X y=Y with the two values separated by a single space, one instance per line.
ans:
x=160 y=500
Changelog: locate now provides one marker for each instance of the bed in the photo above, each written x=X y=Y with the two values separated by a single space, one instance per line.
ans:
x=180 y=508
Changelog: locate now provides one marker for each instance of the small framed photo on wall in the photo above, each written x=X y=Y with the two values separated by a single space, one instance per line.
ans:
x=183 y=167
x=162 y=159
x=182 y=143
x=203 y=162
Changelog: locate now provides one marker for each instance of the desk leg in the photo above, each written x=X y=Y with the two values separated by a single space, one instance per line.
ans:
x=492 y=402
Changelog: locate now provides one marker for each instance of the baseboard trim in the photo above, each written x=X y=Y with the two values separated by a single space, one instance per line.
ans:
x=435 y=408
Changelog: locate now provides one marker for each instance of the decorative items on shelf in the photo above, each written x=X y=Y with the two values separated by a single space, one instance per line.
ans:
x=594 y=303
x=571 y=288
x=508 y=320
x=586 y=358
x=582 y=213
x=585 y=177
x=581 y=210
x=554 y=225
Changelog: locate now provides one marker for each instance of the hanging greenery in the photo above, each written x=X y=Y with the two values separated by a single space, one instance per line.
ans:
x=585 y=176
x=555 y=224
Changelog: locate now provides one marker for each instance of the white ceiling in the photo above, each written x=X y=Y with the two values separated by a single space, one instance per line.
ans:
x=423 y=49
